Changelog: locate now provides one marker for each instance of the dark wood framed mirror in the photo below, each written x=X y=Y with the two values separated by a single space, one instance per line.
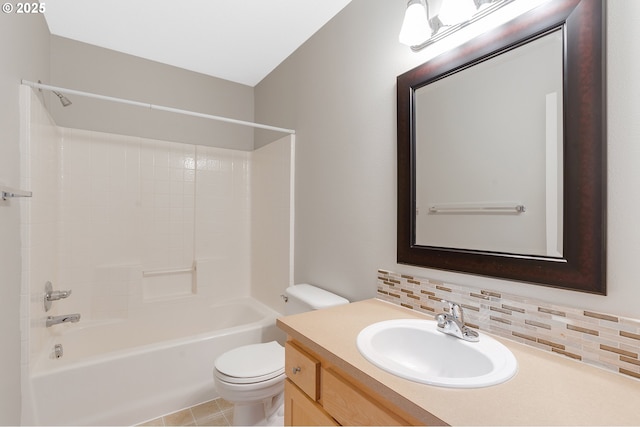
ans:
x=580 y=263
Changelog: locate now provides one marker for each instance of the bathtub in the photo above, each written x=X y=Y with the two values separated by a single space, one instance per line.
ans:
x=159 y=361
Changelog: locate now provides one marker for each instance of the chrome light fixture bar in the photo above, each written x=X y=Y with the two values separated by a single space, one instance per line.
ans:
x=422 y=26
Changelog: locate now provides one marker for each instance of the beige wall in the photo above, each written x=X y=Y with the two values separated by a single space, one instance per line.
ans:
x=84 y=67
x=24 y=46
x=338 y=92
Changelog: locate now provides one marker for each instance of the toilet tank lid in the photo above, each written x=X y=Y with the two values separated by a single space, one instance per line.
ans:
x=315 y=297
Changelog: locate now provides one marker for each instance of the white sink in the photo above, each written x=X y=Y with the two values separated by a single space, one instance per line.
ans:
x=415 y=350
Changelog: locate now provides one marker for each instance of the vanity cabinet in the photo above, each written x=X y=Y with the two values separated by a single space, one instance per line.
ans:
x=318 y=393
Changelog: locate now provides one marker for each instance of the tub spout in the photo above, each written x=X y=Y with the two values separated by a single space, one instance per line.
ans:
x=65 y=318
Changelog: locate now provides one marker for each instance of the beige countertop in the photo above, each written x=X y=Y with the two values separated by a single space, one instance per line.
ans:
x=548 y=389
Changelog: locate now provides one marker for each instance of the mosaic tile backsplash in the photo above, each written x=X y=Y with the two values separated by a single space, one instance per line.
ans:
x=599 y=339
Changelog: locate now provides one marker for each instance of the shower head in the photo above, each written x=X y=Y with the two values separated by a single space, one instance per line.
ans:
x=63 y=99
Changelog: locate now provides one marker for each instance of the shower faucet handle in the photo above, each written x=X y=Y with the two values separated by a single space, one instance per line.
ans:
x=56 y=295
x=51 y=295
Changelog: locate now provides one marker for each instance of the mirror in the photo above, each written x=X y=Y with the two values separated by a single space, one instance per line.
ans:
x=514 y=100
x=502 y=156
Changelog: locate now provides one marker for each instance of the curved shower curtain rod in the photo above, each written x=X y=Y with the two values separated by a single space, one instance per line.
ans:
x=155 y=107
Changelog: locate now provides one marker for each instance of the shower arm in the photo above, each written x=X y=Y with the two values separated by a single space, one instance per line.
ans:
x=155 y=107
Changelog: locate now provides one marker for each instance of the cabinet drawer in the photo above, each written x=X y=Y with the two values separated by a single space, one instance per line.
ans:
x=303 y=370
x=349 y=406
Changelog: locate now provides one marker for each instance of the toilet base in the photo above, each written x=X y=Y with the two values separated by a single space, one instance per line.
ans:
x=269 y=412
x=277 y=419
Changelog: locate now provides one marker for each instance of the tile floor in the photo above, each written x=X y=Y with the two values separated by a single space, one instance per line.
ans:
x=216 y=412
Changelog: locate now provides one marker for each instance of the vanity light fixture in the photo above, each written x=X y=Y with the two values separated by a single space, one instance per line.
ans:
x=427 y=21
x=453 y=13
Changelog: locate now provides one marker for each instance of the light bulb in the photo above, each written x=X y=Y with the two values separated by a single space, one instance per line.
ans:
x=415 y=27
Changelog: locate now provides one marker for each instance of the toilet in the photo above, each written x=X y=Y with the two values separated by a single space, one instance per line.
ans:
x=252 y=376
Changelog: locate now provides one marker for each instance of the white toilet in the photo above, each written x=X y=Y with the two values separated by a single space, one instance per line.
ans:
x=252 y=376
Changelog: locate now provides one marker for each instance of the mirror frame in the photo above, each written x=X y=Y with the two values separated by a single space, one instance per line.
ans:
x=583 y=264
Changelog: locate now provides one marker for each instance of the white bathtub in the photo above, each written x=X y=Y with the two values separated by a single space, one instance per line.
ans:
x=128 y=371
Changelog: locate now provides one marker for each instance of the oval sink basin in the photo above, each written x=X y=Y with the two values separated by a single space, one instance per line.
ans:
x=415 y=350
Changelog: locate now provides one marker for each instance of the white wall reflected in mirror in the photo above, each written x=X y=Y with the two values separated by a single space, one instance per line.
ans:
x=491 y=136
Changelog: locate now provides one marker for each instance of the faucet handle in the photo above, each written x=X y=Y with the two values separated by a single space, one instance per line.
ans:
x=56 y=295
x=455 y=309
x=51 y=295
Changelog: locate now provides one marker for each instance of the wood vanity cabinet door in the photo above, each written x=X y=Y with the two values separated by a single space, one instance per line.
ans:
x=299 y=410
x=349 y=406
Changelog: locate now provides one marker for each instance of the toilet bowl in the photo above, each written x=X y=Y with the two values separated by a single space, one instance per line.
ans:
x=252 y=376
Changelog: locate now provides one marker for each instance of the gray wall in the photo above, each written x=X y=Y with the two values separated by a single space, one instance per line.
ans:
x=76 y=65
x=338 y=92
x=24 y=47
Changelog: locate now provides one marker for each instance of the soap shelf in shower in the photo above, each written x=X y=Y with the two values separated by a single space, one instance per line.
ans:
x=7 y=192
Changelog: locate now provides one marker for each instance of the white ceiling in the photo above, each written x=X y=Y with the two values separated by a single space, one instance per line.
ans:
x=237 y=40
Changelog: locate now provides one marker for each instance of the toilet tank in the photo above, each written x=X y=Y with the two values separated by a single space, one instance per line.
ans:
x=304 y=297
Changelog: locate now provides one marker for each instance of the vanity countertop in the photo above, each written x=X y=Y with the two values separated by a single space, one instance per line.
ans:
x=548 y=389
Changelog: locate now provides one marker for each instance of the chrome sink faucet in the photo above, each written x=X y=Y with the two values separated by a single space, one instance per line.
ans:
x=65 y=318
x=452 y=323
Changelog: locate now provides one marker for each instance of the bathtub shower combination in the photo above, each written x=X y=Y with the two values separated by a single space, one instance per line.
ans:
x=124 y=372
x=145 y=287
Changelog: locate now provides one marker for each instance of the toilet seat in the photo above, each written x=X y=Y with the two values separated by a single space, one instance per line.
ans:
x=250 y=364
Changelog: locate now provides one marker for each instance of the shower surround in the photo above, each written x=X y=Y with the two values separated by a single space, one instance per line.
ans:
x=130 y=224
